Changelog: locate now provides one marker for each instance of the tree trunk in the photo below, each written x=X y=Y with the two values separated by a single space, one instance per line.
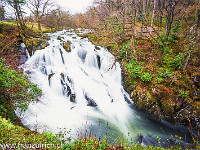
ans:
x=143 y=8
x=168 y=28
x=198 y=18
x=22 y=19
x=16 y=7
x=39 y=24
x=2 y=13
x=154 y=6
x=18 y=25
x=135 y=16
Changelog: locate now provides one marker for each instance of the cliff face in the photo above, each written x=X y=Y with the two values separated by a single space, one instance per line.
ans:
x=165 y=108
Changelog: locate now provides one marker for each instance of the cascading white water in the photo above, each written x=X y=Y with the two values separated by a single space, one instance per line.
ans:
x=79 y=88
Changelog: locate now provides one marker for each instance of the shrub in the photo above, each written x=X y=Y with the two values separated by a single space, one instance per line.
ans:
x=146 y=77
x=125 y=49
x=166 y=73
x=173 y=63
x=178 y=61
x=15 y=88
x=133 y=68
x=183 y=94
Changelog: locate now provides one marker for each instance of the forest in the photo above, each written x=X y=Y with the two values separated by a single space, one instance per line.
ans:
x=156 y=42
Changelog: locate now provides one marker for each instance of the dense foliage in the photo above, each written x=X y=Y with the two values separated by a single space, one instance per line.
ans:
x=15 y=90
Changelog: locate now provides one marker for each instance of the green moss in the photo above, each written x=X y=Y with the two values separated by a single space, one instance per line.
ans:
x=34 y=44
x=148 y=94
x=19 y=136
x=67 y=46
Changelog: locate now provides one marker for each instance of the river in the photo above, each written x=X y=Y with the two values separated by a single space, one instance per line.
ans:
x=83 y=94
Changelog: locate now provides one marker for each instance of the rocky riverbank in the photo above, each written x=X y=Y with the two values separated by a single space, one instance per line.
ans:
x=10 y=43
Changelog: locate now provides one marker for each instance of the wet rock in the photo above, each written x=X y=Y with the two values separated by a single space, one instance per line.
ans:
x=69 y=91
x=66 y=88
x=147 y=103
x=44 y=44
x=49 y=77
x=73 y=107
x=61 y=53
x=99 y=61
x=62 y=76
x=97 y=47
x=126 y=99
x=108 y=47
x=33 y=44
x=196 y=83
x=70 y=81
x=73 y=98
x=67 y=46
x=91 y=102
x=59 y=38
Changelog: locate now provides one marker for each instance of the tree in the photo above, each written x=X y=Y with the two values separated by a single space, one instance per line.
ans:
x=2 y=10
x=154 y=7
x=39 y=8
x=198 y=18
x=2 y=13
x=57 y=19
x=170 y=8
x=16 y=5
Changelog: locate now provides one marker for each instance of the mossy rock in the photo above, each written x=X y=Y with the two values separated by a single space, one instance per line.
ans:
x=34 y=44
x=168 y=108
x=45 y=45
x=67 y=46
x=46 y=37
x=60 y=38
x=189 y=115
x=146 y=102
x=143 y=101
x=97 y=47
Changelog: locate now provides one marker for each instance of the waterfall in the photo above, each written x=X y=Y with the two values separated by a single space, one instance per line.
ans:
x=82 y=88
x=78 y=86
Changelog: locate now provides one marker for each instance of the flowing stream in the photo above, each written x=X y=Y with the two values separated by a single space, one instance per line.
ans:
x=82 y=91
